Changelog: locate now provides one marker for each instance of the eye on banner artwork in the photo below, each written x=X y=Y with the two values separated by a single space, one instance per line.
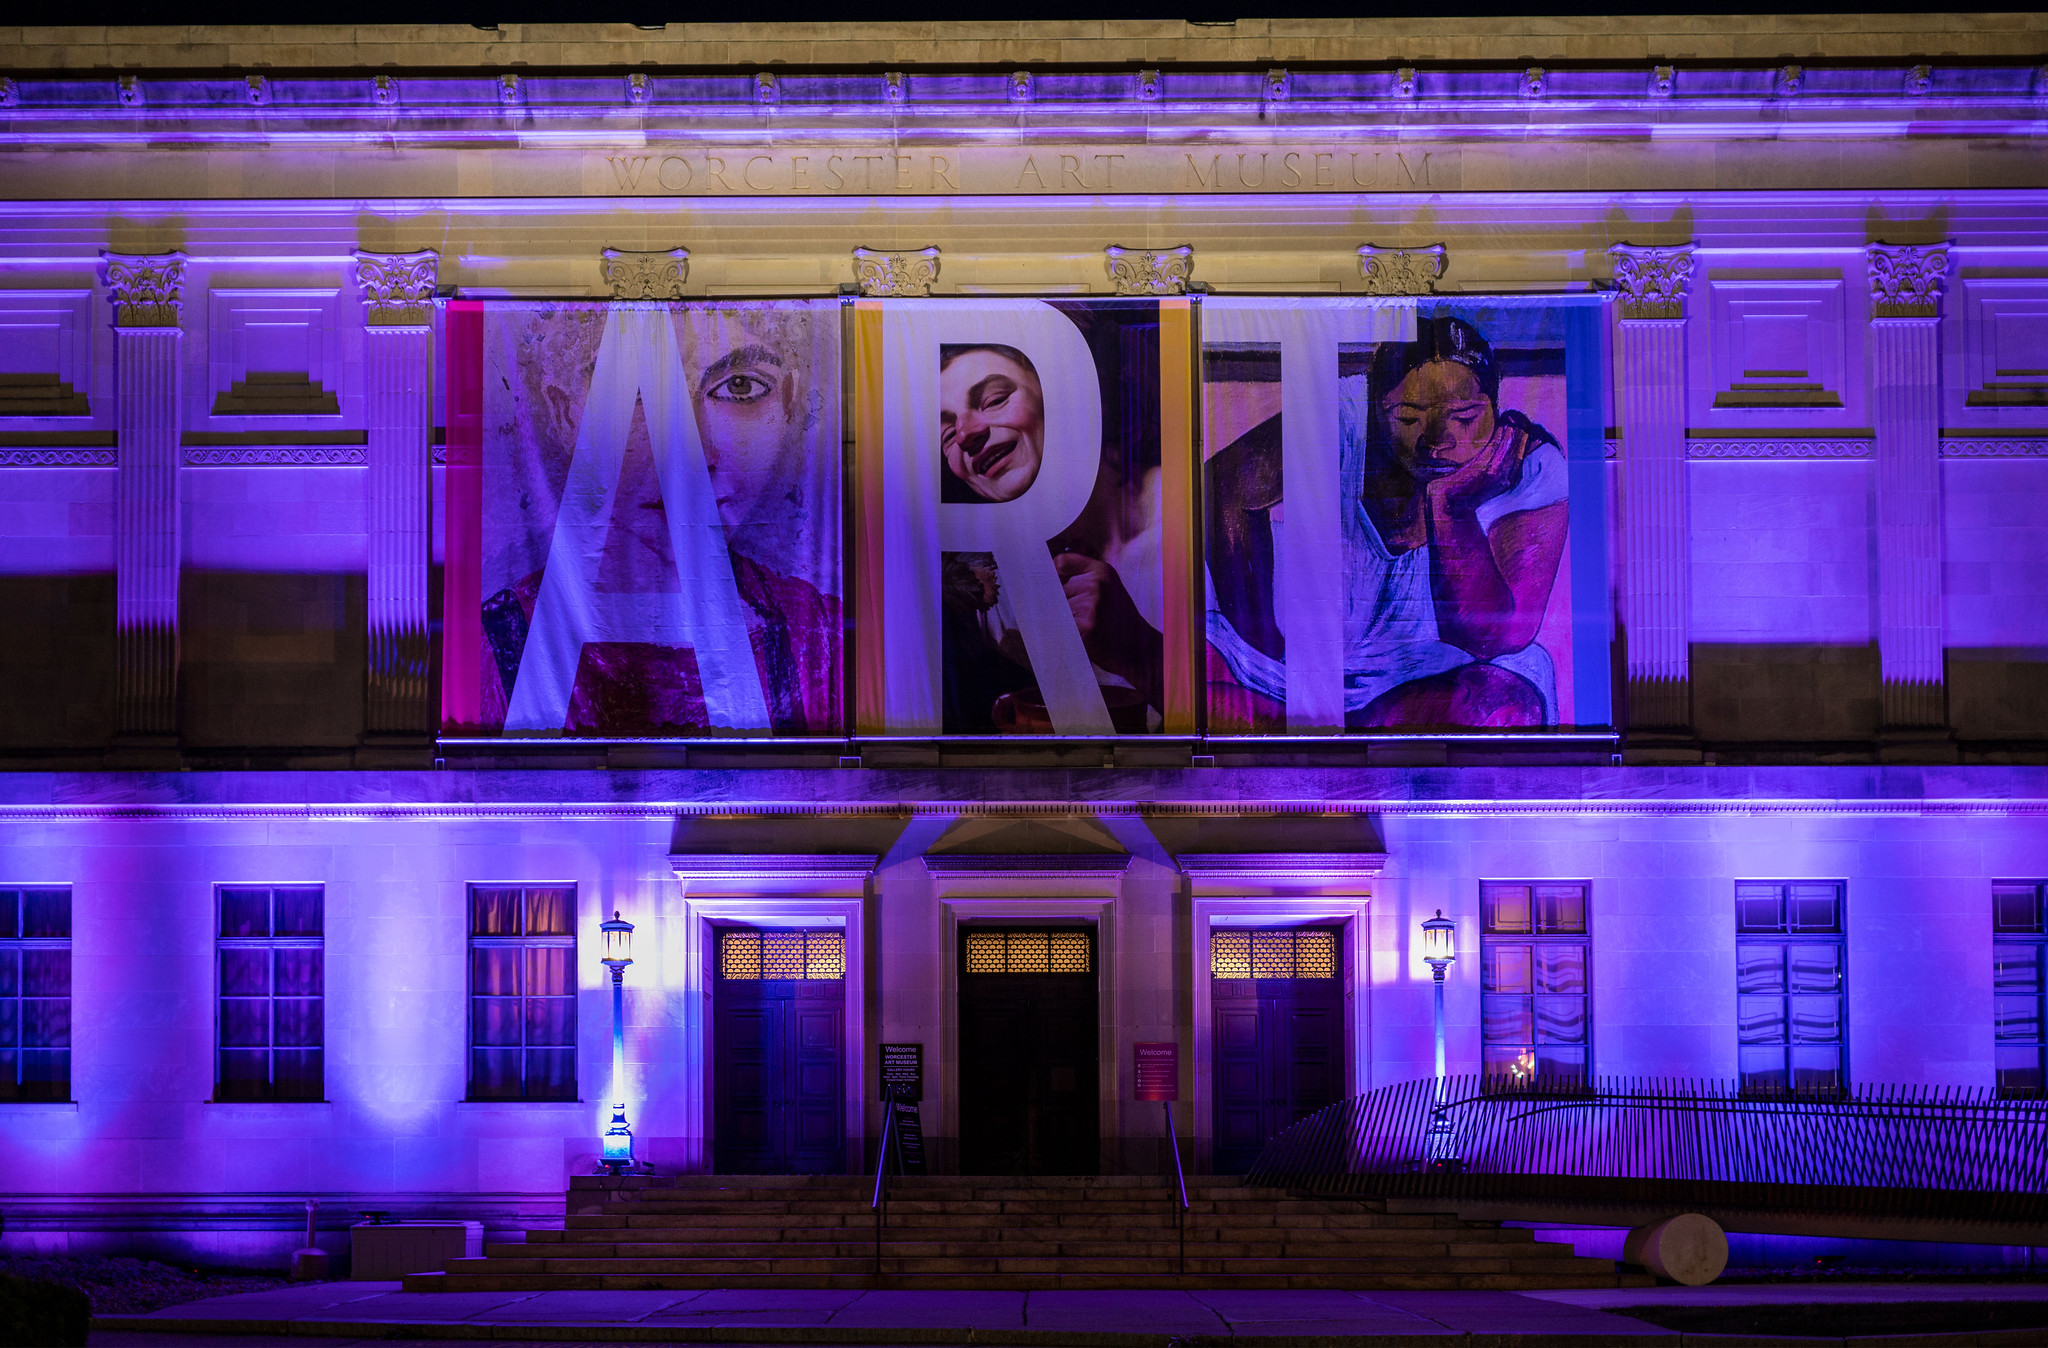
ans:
x=643 y=519
x=1025 y=523
x=1406 y=515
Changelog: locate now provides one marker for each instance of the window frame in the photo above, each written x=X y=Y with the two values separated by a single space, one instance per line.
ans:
x=473 y=941
x=11 y=1090
x=2037 y=941
x=1582 y=940
x=1785 y=939
x=272 y=943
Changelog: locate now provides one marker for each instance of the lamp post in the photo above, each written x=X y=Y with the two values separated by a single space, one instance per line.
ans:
x=618 y=953
x=1439 y=949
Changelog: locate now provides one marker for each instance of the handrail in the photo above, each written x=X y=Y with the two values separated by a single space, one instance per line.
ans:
x=880 y=1202
x=1180 y=1213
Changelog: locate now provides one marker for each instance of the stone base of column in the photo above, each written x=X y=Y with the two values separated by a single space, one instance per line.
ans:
x=144 y=753
x=1904 y=745
x=402 y=753
x=1653 y=748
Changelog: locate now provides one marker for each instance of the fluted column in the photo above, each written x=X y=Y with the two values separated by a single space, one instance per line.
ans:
x=1905 y=366
x=146 y=293
x=1656 y=590
x=398 y=359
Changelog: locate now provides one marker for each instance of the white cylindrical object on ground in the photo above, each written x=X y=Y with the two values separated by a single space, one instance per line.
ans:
x=1690 y=1248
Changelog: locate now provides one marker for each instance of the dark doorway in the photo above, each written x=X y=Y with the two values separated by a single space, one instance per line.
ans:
x=778 y=1052
x=1029 y=1094
x=1278 y=1029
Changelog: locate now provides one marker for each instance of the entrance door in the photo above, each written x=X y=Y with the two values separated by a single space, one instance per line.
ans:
x=1278 y=1031
x=1029 y=1094
x=778 y=1067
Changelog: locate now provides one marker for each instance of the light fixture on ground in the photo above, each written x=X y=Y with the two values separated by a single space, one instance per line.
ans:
x=618 y=953
x=1439 y=949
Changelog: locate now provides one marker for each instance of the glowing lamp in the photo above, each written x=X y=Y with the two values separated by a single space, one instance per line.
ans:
x=618 y=953
x=618 y=941
x=1439 y=942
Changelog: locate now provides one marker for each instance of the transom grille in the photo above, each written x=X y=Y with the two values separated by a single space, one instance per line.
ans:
x=807 y=954
x=1028 y=952
x=1294 y=952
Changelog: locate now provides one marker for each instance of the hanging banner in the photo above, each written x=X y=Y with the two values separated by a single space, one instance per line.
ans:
x=1406 y=514
x=1024 y=530
x=644 y=519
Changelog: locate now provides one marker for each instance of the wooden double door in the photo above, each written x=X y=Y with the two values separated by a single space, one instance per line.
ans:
x=778 y=1076
x=1277 y=1033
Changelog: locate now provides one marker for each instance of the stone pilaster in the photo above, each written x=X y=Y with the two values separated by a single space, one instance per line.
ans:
x=147 y=294
x=1656 y=593
x=1905 y=367
x=398 y=402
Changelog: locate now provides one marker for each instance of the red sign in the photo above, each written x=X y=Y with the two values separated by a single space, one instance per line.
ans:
x=1157 y=1071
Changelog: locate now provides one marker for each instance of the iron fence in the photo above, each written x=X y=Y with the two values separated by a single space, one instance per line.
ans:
x=1906 y=1151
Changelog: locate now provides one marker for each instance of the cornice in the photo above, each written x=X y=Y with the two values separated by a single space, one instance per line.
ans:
x=1028 y=866
x=575 y=812
x=1279 y=865
x=783 y=865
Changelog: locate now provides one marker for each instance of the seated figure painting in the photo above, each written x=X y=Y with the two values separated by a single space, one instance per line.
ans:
x=1439 y=594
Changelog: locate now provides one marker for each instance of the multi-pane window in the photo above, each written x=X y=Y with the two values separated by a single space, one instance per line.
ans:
x=1288 y=952
x=1790 y=979
x=2019 y=987
x=807 y=954
x=522 y=992
x=1536 y=1015
x=273 y=984
x=35 y=994
x=1028 y=952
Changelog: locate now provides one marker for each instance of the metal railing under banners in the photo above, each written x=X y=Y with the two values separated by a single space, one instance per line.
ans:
x=1940 y=1153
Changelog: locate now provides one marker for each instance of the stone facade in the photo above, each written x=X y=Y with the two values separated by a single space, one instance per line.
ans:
x=225 y=466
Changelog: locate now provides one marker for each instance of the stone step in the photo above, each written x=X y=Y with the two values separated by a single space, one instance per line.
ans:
x=1420 y=1263
x=1194 y=1233
x=1006 y=1248
x=1387 y=1282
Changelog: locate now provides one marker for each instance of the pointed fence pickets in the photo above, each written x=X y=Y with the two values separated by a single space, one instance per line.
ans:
x=1895 y=1150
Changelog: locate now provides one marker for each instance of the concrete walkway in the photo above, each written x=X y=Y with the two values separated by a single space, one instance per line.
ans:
x=369 y=1312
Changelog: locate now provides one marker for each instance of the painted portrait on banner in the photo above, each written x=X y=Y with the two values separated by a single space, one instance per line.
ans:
x=1024 y=522
x=1406 y=515
x=656 y=502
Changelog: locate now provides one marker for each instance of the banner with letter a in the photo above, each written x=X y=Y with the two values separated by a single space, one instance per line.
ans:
x=643 y=519
x=1024 y=526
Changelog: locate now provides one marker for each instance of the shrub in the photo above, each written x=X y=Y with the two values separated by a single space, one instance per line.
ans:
x=35 y=1313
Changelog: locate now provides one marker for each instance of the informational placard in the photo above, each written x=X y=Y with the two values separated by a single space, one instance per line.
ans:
x=1156 y=1071
x=903 y=1072
x=909 y=1132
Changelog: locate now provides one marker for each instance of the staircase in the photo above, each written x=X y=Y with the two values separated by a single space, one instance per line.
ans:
x=1018 y=1233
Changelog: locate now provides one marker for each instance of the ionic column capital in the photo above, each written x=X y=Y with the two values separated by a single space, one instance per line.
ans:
x=146 y=288
x=1653 y=282
x=398 y=288
x=1906 y=280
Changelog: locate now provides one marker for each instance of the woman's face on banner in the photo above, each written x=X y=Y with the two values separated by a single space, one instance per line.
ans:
x=752 y=398
x=1439 y=417
x=991 y=423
